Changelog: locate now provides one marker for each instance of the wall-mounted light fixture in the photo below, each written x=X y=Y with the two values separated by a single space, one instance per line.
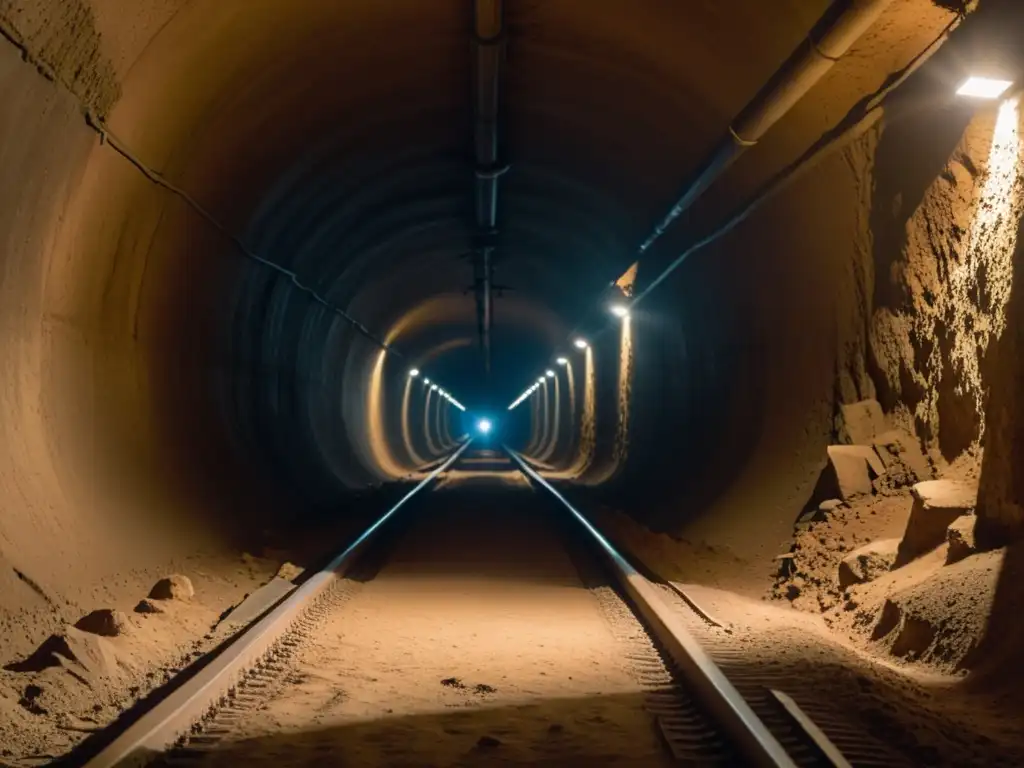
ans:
x=984 y=87
x=562 y=361
x=580 y=344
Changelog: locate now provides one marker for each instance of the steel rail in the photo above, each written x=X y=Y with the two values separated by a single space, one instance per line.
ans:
x=162 y=726
x=709 y=684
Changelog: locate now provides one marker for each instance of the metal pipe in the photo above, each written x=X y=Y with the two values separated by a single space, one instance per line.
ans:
x=831 y=38
x=489 y=52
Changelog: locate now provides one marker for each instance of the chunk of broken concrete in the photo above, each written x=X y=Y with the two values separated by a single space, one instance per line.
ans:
x=960 y=536
x=854 y=466
x=174 y=587
x=860 y=422
x=937 y=503
x=106 y=622
x=868 y=562
x=898 y=449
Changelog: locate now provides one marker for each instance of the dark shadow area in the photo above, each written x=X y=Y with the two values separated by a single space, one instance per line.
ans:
x=553 y=732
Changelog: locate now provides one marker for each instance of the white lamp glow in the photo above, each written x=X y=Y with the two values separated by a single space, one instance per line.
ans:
x=983 y=88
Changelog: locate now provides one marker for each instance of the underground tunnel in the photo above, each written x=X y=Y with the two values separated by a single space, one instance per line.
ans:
x=431 y=344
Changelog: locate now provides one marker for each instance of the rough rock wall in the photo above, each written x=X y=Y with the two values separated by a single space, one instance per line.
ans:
x=943 y=281
x=60 y=38
x=1001 y=495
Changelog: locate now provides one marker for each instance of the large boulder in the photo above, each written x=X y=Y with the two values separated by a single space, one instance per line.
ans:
x=174 y=587
x=937 y=503
x=960 y=537
x=860 y=422
x=868 y=562
x=854 y=466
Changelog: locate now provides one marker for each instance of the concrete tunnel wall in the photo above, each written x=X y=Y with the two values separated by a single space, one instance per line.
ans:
x=157 y=383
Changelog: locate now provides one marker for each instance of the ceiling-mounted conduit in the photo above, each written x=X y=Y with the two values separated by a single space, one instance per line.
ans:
x=830 y=39
x=489 y=52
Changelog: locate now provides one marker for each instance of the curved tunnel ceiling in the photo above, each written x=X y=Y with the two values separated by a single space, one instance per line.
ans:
x=336 y=140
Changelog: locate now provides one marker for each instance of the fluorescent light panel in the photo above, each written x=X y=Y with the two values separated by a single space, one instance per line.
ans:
x=984 y=87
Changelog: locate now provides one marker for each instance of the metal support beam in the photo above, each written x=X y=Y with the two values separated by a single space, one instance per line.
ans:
x=489 y=53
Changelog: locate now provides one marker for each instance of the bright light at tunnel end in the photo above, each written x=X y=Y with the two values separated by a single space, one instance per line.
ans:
x=484 y=426
x=984 y=88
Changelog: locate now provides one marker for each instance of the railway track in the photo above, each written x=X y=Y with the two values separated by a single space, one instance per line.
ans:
x=435 y=635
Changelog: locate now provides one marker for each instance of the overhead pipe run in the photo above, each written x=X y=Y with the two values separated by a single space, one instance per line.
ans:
x=489 y=52
x=833 y=35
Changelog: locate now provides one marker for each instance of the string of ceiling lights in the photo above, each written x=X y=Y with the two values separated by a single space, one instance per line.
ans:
x=414 y=372
x=618 y=309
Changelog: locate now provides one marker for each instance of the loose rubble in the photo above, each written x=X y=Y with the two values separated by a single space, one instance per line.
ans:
x=937 y=503
x=960 y=538
x=106 y=622
x=174 y=587
x=891 y=562
x=867 y=562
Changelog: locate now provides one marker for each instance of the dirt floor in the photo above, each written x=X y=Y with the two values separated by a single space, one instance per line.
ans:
x=74 y=682
x=476 y=644
x=59 y=683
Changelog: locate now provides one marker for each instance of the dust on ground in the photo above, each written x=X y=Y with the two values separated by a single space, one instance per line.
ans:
x=59 y=683
x=476 y=644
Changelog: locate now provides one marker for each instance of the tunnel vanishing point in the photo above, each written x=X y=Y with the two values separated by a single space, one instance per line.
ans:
x=264 y=261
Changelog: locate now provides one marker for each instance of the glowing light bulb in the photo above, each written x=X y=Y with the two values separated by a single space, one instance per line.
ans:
x=619 y=310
